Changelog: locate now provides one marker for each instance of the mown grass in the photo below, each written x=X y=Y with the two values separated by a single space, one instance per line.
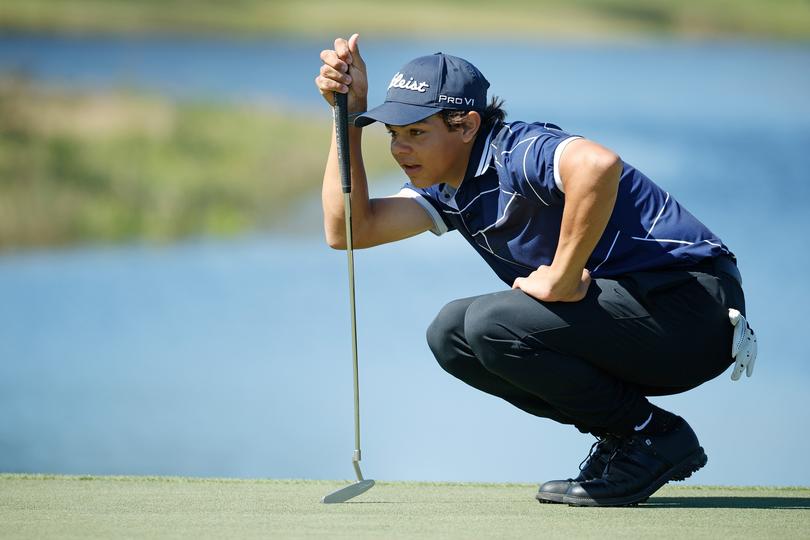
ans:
x=136 y=507
x=119 y=166
x=528 y=19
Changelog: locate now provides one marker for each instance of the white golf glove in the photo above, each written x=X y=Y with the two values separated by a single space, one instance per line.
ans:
x=743 y=345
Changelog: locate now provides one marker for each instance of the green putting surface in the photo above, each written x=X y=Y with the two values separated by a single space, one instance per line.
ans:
x=167 y=507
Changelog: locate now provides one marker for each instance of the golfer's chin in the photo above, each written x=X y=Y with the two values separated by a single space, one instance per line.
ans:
x=418 y=179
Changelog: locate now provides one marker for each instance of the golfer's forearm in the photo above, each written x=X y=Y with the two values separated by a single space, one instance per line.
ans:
x=332 y=193
x=590 y=194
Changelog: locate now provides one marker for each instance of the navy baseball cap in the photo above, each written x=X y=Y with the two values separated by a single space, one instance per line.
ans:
x=427 y=85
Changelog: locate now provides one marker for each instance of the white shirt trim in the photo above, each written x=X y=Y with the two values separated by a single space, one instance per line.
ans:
x=449 y=193
x=658 y=216
x=525 y=174
x=439 y=226
x=609 y=251
x=557 y=155
x=505 y=211
x=663 y=240
x=486 y=155
x=452 y=201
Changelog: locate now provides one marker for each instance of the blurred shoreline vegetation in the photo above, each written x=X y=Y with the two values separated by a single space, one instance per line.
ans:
x=115 y=166
x=119 y=166
x=529 y=19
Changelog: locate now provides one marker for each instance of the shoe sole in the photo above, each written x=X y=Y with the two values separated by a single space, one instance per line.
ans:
x=550 y=498
x=681 y=471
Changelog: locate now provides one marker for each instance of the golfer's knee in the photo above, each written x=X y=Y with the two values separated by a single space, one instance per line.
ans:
x=444 y=332
x=486 y=327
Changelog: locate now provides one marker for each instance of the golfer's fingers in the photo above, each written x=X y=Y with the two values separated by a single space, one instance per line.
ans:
x=342 y=50
x=327 y=86
x=516 y=284
x=354 y=47
x=328 y=72
x=330 y=58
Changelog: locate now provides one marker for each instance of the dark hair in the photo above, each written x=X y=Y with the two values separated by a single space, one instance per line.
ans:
x=493 y=113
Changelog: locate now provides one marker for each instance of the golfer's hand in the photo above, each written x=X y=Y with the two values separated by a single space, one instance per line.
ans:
x=344 y=71
x=544 y=284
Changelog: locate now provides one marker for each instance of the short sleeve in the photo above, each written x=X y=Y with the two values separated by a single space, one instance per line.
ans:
x=428 y=200
x=536 y=169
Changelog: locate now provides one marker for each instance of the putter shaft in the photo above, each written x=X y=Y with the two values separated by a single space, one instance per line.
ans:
x=344 y=165
x=347 y=200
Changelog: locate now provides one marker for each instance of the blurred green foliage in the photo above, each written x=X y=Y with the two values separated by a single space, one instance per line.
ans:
x=121 y=166
x=786 y=19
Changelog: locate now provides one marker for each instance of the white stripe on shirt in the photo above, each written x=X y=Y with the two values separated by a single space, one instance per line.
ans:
x=662 y=240
x=658 y=216
x=609 y=251
x=472 y=201
x=505 y=209
x=526 y=176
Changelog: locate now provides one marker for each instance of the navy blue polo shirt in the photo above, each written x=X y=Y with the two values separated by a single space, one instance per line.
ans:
x=509 y=208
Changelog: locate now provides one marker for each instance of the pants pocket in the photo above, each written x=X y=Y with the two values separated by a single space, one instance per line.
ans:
x=648 y=284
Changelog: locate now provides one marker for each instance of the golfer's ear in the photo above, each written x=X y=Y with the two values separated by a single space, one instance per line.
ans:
x=470 y=126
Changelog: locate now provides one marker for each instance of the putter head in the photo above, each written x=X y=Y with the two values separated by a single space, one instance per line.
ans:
x=349 y=492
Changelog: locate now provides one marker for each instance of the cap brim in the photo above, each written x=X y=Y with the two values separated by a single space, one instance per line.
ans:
x=395 y=114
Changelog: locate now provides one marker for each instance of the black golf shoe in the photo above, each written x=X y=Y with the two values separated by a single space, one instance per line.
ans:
x=639 y=466
x=591 y=467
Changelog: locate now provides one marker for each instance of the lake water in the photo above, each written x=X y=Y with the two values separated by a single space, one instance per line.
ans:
x=217 y=358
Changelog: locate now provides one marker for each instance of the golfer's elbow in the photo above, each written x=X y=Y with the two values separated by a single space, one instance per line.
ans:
x=334 y=238
x=596 y=170
x=607 y=166
x=337 y=240
x=336 y=243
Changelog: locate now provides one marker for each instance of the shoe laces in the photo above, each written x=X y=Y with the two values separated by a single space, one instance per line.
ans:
x=612 y=456
x=596 y=449
x=590 y=453
x=621 y=449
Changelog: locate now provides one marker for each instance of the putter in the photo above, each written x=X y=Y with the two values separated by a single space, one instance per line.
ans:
x=342 y=135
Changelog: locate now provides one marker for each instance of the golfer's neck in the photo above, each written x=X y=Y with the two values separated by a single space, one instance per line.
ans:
x=459 y=169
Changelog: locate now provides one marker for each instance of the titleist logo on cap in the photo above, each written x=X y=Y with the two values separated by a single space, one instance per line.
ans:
x=399 y=82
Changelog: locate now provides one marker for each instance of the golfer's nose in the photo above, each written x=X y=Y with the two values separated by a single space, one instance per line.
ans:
x=398 y=148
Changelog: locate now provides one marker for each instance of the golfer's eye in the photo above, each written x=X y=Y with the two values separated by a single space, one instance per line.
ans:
x=416 y=132
x=393 y=134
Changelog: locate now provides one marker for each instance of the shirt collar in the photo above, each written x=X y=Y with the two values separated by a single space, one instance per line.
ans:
x=481 y=155
x=480 y=158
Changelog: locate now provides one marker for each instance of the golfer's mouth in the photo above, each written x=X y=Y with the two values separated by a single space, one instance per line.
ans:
x=410 y=169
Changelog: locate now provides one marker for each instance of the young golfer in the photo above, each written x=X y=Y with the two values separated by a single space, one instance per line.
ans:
x=617 y=291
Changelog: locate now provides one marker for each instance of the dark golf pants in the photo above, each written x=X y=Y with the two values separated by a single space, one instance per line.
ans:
x=593 y=363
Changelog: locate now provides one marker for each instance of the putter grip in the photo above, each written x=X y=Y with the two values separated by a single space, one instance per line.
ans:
x=342 y=137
